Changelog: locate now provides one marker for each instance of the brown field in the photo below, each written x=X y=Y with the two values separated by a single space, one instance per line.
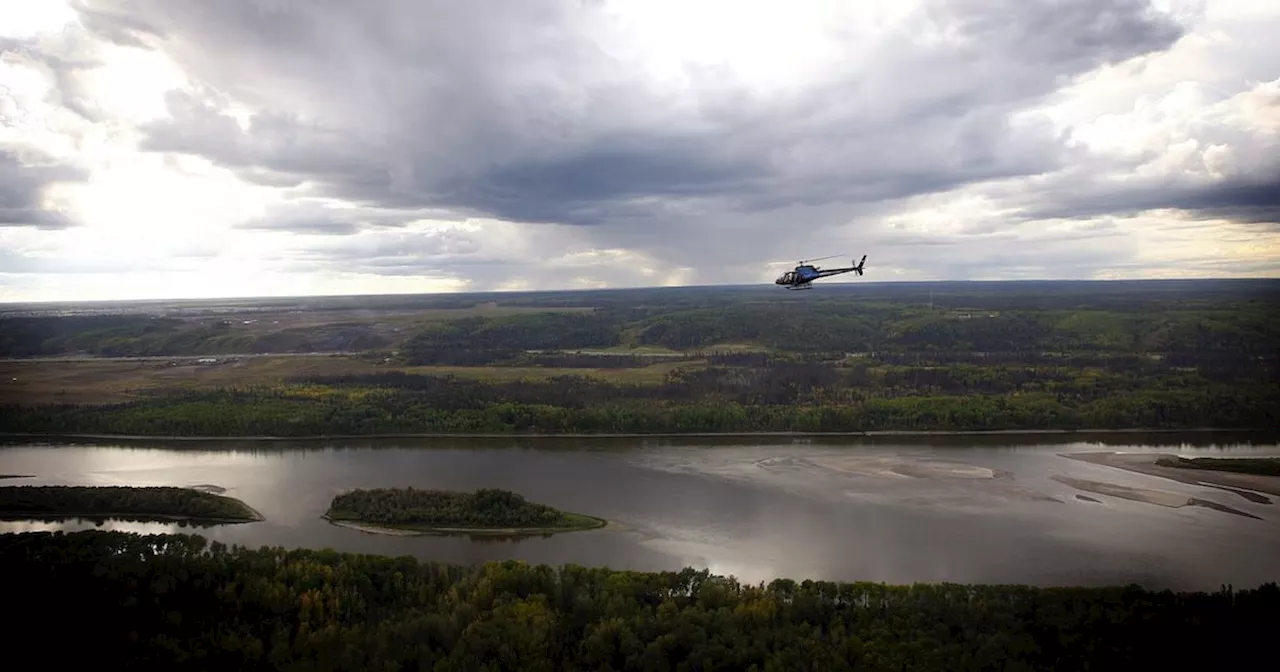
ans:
x=108 y=380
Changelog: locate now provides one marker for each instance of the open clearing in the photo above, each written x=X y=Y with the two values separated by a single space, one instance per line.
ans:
x=111 y=381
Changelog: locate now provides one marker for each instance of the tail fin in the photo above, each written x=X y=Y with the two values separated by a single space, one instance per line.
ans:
x=860 y=264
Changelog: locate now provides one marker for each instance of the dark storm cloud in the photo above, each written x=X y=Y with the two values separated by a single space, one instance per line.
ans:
x=530 y=114
x=316 y=218
x=22 y=185
x=1253 y=200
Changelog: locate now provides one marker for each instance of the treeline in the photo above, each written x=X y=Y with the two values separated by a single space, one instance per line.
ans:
x=476 y=341
x=334 y=411
x=854 y=327
x=103 y=500
x=485 y=508
x=179 y=602
x=1228 y=333
x=150 y=336
x=1236 y=320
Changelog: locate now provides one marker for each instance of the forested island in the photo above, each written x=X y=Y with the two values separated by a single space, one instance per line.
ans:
x=487 y=510
x=137 y=503
x=866 y=358
x=169 y=602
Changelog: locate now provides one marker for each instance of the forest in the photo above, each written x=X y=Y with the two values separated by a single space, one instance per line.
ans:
x=801 y=398
x=180 y=602
x=958 y=356
x=136 y=502
x=417 y=508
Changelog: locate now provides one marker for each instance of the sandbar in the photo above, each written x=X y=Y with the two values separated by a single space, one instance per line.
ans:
x=1146 y=495
x=1145 y=463
x=894 y=466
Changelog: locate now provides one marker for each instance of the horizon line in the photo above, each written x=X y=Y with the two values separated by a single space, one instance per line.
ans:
x=761 y=285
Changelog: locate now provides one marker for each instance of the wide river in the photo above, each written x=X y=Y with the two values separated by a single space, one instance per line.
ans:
x=753 y=508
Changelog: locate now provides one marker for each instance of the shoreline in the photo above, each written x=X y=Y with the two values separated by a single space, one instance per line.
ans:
x=640 y=435
x=252 y=515
x=1145 y=463
x=1146 y=495
x=372 y=528
x=256 y=517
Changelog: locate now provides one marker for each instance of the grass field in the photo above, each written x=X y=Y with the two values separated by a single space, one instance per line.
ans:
x=110 y=381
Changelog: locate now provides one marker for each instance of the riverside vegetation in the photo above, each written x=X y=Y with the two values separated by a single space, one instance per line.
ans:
x=169 y=602
x=485 y=510
x=998 y=356
x=139 y=503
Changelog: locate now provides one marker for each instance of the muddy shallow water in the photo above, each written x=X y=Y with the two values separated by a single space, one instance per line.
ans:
x=945 y=510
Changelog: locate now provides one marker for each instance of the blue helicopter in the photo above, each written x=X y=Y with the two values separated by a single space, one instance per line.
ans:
x=805 y=273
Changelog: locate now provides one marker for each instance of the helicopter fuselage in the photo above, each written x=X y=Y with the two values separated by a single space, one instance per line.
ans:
x=804 y=274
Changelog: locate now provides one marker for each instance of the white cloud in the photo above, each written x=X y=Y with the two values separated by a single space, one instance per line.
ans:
x=172 y=148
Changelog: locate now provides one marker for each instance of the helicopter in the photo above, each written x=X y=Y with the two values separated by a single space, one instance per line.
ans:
x=805 y=273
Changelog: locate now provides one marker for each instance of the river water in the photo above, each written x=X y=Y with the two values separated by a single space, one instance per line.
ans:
x=753 y=508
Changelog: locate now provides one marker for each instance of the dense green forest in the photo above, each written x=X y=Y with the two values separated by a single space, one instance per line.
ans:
x=483 y=509
x=973 y=356
x=127 y=501
x=178 y=602
x=1263 y=466
x=1227 y=317
x=143 y=335
x=802 y=398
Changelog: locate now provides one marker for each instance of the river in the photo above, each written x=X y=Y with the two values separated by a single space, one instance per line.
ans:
x=968 y=509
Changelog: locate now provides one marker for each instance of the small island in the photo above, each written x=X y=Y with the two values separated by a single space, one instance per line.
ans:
x=134 y=503
x=486 y=511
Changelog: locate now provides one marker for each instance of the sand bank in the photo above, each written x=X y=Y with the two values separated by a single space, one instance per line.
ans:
x=893 y=466
x=1144 y=463
x=1146 y=495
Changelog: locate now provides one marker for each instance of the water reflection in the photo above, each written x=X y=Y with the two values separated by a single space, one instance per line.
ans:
x=976 y=509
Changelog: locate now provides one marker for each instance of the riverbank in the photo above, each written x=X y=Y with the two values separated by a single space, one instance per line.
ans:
x=1145 y=463
x=158 y=504
x=1268 y=434
x=587 y=523
x=1163 y=498
x=255 y=517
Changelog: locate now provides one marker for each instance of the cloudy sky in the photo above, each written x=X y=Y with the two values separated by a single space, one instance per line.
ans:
x=189 y=148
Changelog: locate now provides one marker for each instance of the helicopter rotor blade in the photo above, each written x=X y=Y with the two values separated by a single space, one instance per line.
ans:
x=833 y=256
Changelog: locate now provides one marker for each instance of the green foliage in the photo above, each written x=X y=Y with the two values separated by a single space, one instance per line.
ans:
x=485 y=508
x=476 y=340
x=981 y=357
x=796 y=397
x=178 y=602
x=147 y=336
x=124 y=501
